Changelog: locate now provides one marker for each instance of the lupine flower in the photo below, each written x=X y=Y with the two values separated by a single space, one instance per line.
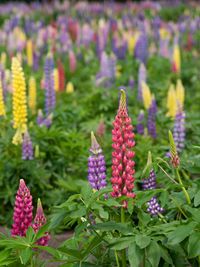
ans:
x=35 y=61
x=101 y=129
x=180 y=92
x=69 y=88
x=2 y=108
x=3 y=59
x=29 y=52
x=146 y=94
x=19 y=96
x=132 y=39
x=32 y=95
x=72 y=61
x=141 y=48
x=56 y=79
x=27 y=147
x=17 y=138
x=179 y=129
x=171 y=102
x=92 y=219
x=150 y=183
x=131 y=82
x=22 y=216
x=122 y=164
x=176 y=59
x=61 y=74
x=173 y=152
x=140 y=125
x=40 y=220
x=151 y=117
x=141 y=79
x=44 y=121
x=96 y=163
x=49 y=85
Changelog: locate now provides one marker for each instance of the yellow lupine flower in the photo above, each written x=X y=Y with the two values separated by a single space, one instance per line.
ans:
x=2 y=109
x=146 y=94
x=19 y=96
x=180 y=92
x=171 y=102
x=132 y=39
x=56 y=79
x=3 y=59
x=18 y=33
x=19 y=57
x=177 y=58
x=32 y=95
x=29 y=52
x=17 y=138
x=69 y=88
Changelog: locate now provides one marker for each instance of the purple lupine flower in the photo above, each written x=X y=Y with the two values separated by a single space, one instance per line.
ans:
x=35 y=61
x=27 y=147
x=92 y=219
x=140 y=125
x=131 y=82
x=49 y=85
x=141 y=78
x=23 y=215
x=150 y=183
x=97 y=168
x=141 y=48
x=179 y=129
x=151 y=117
x=40 y=220
x=44 y=121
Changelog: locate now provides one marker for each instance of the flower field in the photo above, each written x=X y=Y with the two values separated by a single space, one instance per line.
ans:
x=99 y=133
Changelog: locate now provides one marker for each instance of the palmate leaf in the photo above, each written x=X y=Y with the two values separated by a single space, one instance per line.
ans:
x=194 y=245
x=124 y=228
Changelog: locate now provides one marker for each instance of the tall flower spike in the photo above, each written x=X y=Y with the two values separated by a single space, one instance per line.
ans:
x=69 y=88
x=96 y=164
x=141 y=78
x=40 y=220
x=29 y=52
x=151 y=117
x=27 y=147
x=123 y=142
x=2 y=108
x=140 y=124
x=180 y=92
x=179 y=129
x=22 y=216
x=146 y=93
x=32 y=95
x=19 y=96
x=56 y=79
x=173 y=152
x=176 y=59
x=171 y=102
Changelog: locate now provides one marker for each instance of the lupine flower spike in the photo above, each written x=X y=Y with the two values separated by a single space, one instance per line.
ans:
x=171 y=102
x=96 y=163
x=150 y=183
x=22 y=216
x=32 y=95
x=29 y=51
x=27 y=147
x=123 y=142
x=40 y=220
x=173 y=152
x=69 y=88
x=146 y=93
x=140 y=124
x=19 y=96
x=179 y=129
x=2 y=108
x=180 y=94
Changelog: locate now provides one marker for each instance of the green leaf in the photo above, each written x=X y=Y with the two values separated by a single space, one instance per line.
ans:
x=5 y=254
x=72 y=252
x=50 y=250
x=144 y=196
x=97 y=194
x=135 y=255
x=121 y=243
x=194 y=245
x=57 y=219
x=130 y=206
x=41 y=232
x=124 y=228
x=25 y=255
x=197 y=199
x=142 y=241
x=165 y=255
x=181 y=232
x=153 y=253
x=30 y=233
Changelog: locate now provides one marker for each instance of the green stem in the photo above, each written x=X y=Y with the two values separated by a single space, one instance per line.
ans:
x=162 y=217
x=123 y=250
x=32 y=264
x=176 y=203
x=117 y=260
x=184 y=190
x=144 y=259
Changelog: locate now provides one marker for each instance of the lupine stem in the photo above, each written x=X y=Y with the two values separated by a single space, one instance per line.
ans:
x=124 y=250
x=162 y=217
x=179 y=207
x=184 y=190
x=117 y=260
x=167 y=174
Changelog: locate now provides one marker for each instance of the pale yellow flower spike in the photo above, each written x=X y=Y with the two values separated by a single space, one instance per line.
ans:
x=132 y=39
x=56 y=79
x=2 y=108
x=19 y=96
x=3 y=59
x=146 y=94
x=29 y=52
x=180 y=92
x=69 y=88
x=32 y=95
x=177 y=58
x=171 y=102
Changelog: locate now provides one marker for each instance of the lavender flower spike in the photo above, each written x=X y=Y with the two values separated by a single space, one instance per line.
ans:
x=27 y=147
x=150 y=183
x=23 y=215
x=96 y=163
x=151 y=118
x=179 y=129
x=140 y=125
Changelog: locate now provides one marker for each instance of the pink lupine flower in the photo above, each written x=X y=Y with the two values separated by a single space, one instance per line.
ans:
x=72 y=61
x=22 y=216
x=40 y=220
x=123 y=142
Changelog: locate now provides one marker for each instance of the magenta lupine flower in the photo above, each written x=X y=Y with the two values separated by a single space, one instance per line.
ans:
x=150 y=183
x=40 y=220
x=141 y=78
x=140 y=125
x=72 y=61
x=141 y=48
x=151 y=117
x=96 y=164
x=23 y=215
x=27 y=147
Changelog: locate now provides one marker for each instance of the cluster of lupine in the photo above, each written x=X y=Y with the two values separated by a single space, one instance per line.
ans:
x=27 y=147
x=23 y=215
